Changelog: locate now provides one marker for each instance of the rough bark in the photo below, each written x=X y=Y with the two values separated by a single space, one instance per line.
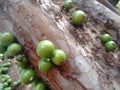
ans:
x=87 y=62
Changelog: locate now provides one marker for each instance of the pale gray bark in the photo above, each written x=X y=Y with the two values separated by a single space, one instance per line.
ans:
x=31 y=23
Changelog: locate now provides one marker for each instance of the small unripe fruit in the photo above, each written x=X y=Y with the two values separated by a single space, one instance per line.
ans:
x=78 y=17
x=59 y=57
x=110 y=46
x=45 y=65
x=45 y=48
x=105 y=38
x=6 y=38
x=14 y=49
x=68 y=4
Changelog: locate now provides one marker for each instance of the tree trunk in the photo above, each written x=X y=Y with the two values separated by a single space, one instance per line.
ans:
x=88 y=66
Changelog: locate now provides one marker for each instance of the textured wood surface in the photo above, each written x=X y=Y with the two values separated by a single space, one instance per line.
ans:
x=88 y=66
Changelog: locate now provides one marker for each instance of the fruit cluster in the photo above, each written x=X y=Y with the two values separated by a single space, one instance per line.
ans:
x=49 y=55
x=109 y=44
x=5 y=81
x=10 y=49
x=4 y=66
x=27 y=74
x=78 y=17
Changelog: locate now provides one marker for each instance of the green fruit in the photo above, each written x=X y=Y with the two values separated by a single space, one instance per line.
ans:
x=5 y=84
x=105 y=38
x=6 y=38
x=5 y=69
x=21 y=61
x=7 y=76
x=38 y=86
x=8 y=88
x=2 y=80
x=27 y=75
x=59 y=57
x=45 y=48
x=2 y=48
x=78 y=17
x=6 y=64
x=14 y=49
x=15 y=84
x=9 y=80
x=45 y=65
x=7 y=55
x=9 y=60
x=110 y=46
x=2 y=76
x=20 y=57
x=68 y=4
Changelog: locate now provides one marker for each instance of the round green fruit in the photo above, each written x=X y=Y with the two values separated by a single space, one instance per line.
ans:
x=6 y=64
x=27 y=75
x=16 y=83
x=68 y=4
x=78 y=17
x=8 y=88
x=105 y=38
x=45 y=48
x=59 y=57
x=5 y=69
x=3 y=80
x=14 y=49
x=7 y=55
x=2 y=48
x=37 y=85
x=7 y=77
x=45 y=65
x=9 y=80
x=110 y=46
x=6 y=38
x=5 y=84
x=21 y=60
